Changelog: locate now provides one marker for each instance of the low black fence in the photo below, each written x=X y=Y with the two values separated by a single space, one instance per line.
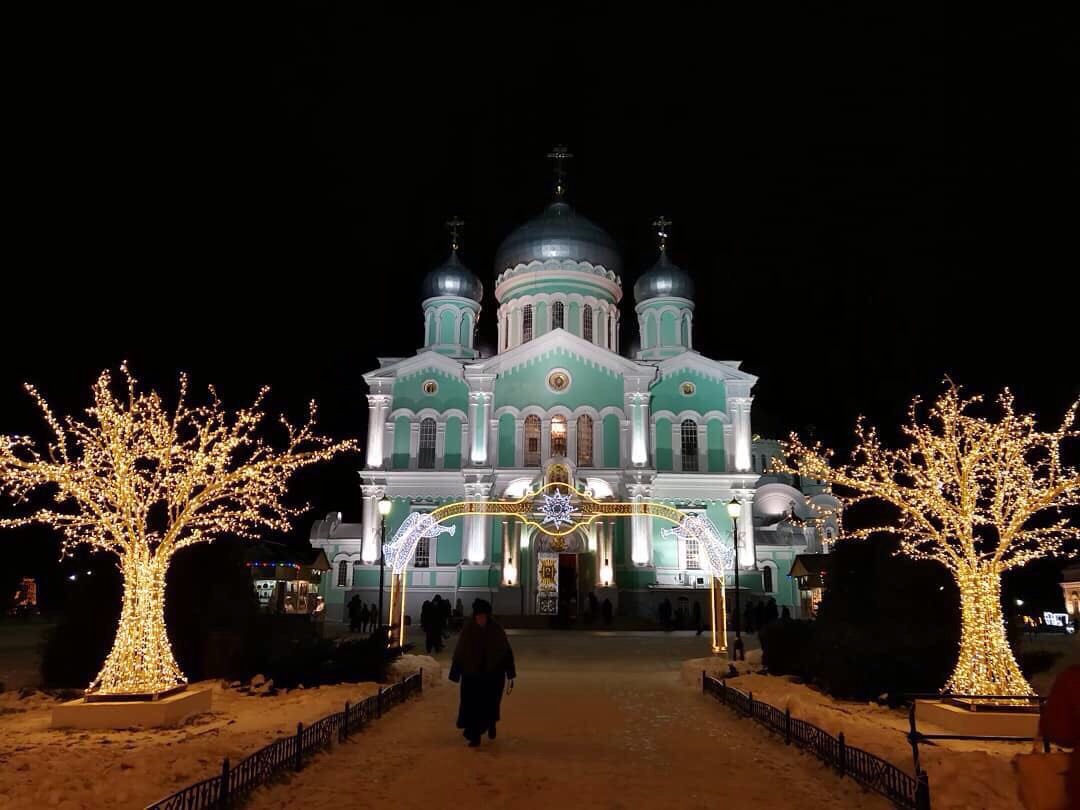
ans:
x=288 y=753
x=871 y=771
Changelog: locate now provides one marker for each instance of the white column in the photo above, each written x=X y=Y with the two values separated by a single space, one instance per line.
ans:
x=476 y=528
x=545 y=440
x=371 y=527
x=479 y=418
x=378 y=408
x=747 y=549
x=414 y=444
x=640 y=527
x=571 y=439
x=740 y=413
x=703 y=447
x=637 y=407
x=519 y=441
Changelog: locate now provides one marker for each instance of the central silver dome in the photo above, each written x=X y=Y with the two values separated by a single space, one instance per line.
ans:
x=664 y=280
x=558 y=233
x=452 y=278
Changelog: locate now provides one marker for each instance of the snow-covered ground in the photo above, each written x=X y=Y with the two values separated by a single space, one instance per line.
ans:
x=963 y=774
x=71 y=770
x=595 y=720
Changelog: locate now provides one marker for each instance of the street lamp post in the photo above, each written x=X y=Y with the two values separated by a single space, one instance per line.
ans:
x=733 y=509
x=385 y=504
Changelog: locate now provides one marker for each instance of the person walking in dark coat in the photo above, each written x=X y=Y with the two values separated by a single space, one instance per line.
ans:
x=697 y=617
x=356 y=609
x=607 y=611
x=483 y=661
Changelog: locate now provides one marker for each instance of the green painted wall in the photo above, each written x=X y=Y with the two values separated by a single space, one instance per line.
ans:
x=565 y=286
x=540 y=318
x=668 y=329
x=465 y=338
x=495 y=532
x=650 y=330
x=448 y=548
x=664 y=456
x=400 y=460
x=709 y=395
x=715 y=439
x=611 y=440
x=665 y=550
x=448 y=326
x=506 y=440
x=452 y=453
x=527 y=384
x=453 y=392
x=573 y=318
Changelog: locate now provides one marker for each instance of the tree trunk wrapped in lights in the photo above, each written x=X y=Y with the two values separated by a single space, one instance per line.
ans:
x=142 y=483
x=976 y=495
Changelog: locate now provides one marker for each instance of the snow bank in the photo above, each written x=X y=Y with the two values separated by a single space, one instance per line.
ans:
x=79 y=769
x=408 y=664
x=963 y=774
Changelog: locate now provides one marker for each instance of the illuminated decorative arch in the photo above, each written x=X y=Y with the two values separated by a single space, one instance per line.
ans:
x=557 y=509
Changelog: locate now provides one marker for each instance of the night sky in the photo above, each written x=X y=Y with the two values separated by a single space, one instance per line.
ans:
x=868 y=200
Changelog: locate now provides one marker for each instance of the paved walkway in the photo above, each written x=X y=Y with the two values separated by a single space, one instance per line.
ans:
x=595 y=720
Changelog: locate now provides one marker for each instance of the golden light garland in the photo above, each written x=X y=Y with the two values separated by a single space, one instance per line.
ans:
x=978 y=496
x=142 y=483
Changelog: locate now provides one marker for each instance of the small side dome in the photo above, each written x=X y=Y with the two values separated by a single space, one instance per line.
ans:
x=452 y=278
x=664 y=279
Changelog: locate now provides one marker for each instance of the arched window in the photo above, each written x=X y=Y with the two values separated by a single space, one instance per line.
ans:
x=423 y=553
x=558 y=435
x=767 y=579
x=693 y=554
x=526 y=323
x=343 y=573
x=506 y=332
x=689 y=446
x=611 y=336
x=586 y=322
x=532 y=441
x=426 y=457
x=584 y=440
x=558 y=315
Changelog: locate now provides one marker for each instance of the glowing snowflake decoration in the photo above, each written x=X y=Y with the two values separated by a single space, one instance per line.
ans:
x=557 y=510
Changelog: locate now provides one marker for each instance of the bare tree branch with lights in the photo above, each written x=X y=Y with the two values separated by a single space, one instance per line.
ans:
x=978 y=495
x=143 y=482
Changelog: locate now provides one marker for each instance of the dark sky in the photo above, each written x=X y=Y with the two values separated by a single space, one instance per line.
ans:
x=868 y=199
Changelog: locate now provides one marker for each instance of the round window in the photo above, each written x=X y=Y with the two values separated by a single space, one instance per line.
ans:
x=430 y=387
x=558 y=380
x=688 y=388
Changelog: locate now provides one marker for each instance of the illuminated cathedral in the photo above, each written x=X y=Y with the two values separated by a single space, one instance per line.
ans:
x=559 y=400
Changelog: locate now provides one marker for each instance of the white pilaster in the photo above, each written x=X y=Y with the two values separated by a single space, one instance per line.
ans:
x=371 y=527
x=378 y=408
x=476 y=528
x=481 y=386
x=740 y=413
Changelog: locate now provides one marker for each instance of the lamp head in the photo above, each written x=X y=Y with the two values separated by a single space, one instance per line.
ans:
x=734 y=508
x=385 y=505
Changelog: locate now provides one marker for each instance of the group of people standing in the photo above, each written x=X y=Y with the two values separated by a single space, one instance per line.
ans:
x=678 y=618
x=362 y=618
x=434 y=621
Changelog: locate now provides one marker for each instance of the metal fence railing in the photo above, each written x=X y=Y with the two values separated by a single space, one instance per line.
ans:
x=871 y=771
x=1034 y=703
x=288 y=753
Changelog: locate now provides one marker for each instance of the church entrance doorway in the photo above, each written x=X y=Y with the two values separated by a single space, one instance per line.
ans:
x=568 y=587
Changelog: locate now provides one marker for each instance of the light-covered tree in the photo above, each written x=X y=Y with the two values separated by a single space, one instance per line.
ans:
x=141 y=481
x=978 y=494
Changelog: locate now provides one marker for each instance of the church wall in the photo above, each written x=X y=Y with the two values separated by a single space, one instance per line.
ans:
x=507 y=430
x=540 y=318
x=527 y=384
x=573 y=318
x=715 y=439
x=452 y=453
x=612 y=440
x=709 y=395
x=663 y=452
x=400 y=460
x=453 y=392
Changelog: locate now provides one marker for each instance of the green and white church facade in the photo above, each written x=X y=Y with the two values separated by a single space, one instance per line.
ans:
x=559 y=401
